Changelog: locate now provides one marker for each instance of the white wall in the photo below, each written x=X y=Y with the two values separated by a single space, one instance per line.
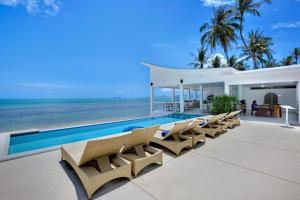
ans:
x=286 y=96
x=212 y=90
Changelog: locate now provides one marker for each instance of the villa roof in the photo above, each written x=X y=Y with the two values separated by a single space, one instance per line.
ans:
x=170 y=77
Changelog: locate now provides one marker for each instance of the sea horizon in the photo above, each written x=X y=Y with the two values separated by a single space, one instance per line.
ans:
x=18 y=114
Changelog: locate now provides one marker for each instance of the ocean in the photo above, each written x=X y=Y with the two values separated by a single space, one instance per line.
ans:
x=25 y=114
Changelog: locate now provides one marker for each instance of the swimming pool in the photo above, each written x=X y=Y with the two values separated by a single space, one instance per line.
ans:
x=38 y=140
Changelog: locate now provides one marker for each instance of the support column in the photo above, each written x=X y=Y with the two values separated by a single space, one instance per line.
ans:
x=226 y=88
x=201 y=97
x=181 y=97
x=151 y=97
x=298 y=100
x=189 y=94
x=240 y=90
x=173 y=95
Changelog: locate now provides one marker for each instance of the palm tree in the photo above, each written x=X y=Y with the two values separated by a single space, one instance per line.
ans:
x=232 y=62
x=289 y=60
x=296 y=54
x=243 y=7
x=259 y=46
x=200 y=58
x=271 y=62
x=240 y=66
x=221 y=30
x=216 y=62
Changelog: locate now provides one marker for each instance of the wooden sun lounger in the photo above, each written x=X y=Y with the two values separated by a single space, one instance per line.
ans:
x=96 y=162
x=232 y=118
x=138 y=151
x=197 y=136
x=223 y=123
x=211 y=128
x=173 y=141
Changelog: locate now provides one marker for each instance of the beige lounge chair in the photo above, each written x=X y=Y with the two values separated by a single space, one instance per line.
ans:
x=173 y=140
x=196 y=136
x=138 y=151
x=232 y=118
x=211 y=127
x=221 y=122
x=96 y=162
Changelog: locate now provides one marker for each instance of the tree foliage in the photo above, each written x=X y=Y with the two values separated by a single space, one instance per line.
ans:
x=223 y=104
x=220 y=31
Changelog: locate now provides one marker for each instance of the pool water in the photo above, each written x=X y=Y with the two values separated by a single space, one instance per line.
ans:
x=34 y=141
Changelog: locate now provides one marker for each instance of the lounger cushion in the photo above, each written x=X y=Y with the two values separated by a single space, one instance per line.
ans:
x=202 y=123
x=164 y=133
x=130 y=128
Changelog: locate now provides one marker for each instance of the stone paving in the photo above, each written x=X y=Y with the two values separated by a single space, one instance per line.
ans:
x=258 y=160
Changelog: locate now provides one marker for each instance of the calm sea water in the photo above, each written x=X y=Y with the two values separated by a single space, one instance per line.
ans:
x=22 y=114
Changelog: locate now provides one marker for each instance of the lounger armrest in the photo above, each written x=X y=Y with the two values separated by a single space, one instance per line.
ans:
x=126 y=157
x=221 y=123
x=90 y=171
x=152 y=150
x=197 y=130
x=120 y=161
x=214 y=126
x=183 y=137
x=230 y=120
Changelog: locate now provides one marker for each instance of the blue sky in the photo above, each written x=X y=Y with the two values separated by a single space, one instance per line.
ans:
x=93 y=49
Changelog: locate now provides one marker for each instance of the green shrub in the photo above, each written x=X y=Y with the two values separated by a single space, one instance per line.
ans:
x=223 y=104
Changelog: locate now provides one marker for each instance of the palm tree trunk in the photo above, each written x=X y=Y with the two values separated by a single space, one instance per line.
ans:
x=226 y=54
x=254 y=61
x=241 y=34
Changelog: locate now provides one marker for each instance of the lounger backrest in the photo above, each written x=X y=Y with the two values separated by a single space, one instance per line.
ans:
x=100 y=147
x=232 y=114
x=237 y=112
x=193 y=125
x=222 y=116
x=139 y=136
x=177 y=128
x=213 y=119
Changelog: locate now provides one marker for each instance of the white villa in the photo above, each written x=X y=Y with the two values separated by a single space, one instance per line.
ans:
x=283 y=82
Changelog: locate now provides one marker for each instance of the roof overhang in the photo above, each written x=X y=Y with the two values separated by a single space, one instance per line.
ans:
x=170 y=77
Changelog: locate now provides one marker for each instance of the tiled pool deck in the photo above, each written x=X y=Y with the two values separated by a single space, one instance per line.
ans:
x=258 y=160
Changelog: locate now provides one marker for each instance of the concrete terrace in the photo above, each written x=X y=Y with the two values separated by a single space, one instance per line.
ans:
x=254 y=161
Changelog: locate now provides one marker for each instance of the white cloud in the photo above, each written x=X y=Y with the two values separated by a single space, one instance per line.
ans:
x=209 y=61
x=163 y=45
x=216 y=2
x=34 y=7
x=286 y=25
